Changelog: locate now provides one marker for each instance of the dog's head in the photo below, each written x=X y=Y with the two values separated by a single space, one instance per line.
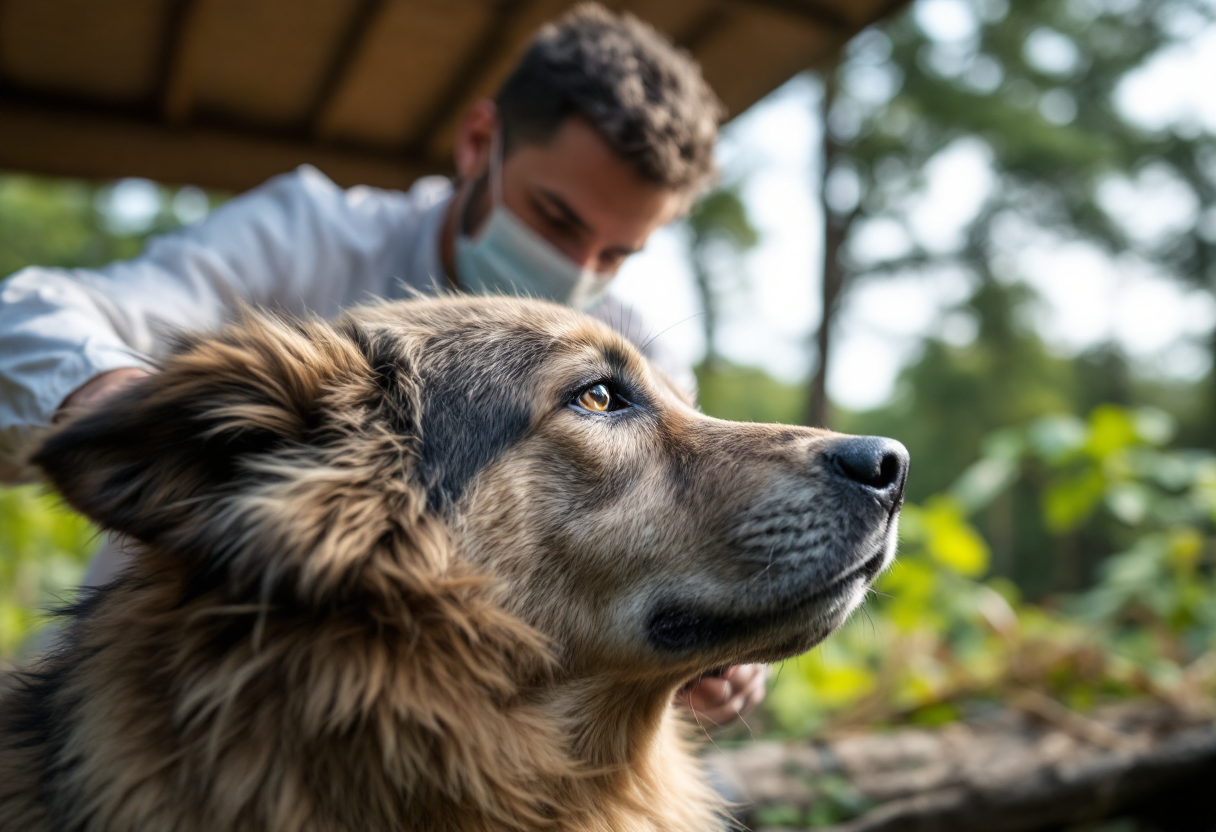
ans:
x=326 y=464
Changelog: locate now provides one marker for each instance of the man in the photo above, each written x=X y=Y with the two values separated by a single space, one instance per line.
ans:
x=600 y=135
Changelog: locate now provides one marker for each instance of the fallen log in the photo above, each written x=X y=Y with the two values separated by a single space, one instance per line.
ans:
x=1034 y=767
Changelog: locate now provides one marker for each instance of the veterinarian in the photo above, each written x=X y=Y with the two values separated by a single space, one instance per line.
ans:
x=601 y=134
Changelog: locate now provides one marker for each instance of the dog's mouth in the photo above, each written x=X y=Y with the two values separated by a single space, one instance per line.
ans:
x=794 y=627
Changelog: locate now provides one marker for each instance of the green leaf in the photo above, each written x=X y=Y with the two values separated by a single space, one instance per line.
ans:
x=950 y=540
x=43 y=551
x=1069 y=501
x=1111 y=429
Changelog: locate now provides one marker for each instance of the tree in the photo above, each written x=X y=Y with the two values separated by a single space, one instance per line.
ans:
x=59 y=222
x=1033 y=88
x=719 y=232
x=838 y=219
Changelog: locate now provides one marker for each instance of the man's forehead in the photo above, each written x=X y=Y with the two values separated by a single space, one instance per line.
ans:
x=577 y=167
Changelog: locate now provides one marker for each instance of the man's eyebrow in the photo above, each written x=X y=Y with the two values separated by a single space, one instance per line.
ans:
x=562 y=207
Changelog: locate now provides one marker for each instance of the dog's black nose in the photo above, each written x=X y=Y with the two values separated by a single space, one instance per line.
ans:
x=878 y=463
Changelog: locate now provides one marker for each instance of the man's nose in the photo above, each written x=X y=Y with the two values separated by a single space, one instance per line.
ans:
x=586 y=258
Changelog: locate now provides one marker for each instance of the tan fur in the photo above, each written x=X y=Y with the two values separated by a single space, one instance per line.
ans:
x=359 y=602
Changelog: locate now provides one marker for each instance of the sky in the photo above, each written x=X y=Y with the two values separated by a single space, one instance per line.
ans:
x=770 y=319
x=1087 y=298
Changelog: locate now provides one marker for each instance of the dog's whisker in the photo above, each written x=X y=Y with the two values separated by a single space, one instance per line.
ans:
x=873 y=627
x=697 y=716
x=750 y=731
x=643 y=347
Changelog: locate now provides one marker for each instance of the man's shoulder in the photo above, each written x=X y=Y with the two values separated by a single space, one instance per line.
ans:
x=311 y=183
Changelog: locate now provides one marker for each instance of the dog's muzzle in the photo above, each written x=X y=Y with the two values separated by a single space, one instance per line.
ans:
x=810 y=551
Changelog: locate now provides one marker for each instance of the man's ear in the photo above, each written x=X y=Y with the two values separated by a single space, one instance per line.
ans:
x=153 y=461
x=475 y=140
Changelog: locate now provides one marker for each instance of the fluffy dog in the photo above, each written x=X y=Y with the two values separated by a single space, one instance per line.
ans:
x=440 y=565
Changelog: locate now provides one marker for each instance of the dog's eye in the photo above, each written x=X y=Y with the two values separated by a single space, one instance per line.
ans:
x=599 y=399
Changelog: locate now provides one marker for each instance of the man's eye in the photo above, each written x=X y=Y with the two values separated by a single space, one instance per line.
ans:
x=599 y=399
x=609 y=263
x=560 y=226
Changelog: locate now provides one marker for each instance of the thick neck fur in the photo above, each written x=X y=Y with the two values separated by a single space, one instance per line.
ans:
x=640 y=746
x=299 y=648
x=450 y=718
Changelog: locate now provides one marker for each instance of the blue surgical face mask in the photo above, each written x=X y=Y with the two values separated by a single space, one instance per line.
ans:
x=508 y=258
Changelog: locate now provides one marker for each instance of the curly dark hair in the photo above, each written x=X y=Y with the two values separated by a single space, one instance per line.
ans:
x=645 y=96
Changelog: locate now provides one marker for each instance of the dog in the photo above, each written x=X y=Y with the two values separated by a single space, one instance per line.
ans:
x=438 y=565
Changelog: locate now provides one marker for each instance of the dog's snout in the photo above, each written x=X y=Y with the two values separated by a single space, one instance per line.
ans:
x=878 y=463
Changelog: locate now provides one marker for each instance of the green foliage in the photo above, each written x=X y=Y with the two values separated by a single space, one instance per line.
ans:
x=940 y=529
x=721 y=215
x=943 y=636
x=831 y=799
x=745 y=394
x=1056 y=141
x=1053 y=131
x=51 y=223
x=955 y=405
x=949 y=401
x=55 y=222
x=43 y=551
x=69 y=223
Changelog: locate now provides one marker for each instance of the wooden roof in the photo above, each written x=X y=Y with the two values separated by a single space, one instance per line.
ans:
x=224 y=93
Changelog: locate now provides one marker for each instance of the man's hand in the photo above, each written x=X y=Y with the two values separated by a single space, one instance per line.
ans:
x=719 y=699
x=97 y=389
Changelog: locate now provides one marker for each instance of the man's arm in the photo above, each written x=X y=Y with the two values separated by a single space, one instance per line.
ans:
x=298 y=243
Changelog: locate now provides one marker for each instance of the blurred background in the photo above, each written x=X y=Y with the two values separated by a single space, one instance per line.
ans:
x=986 y=228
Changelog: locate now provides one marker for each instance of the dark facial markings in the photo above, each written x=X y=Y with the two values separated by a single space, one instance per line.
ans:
x=477 y=401
x=470 y=394
x=676 y=628
x=392 y=371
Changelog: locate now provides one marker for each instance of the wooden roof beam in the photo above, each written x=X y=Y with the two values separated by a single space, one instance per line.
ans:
x=490 y=48
x=814 y=12
x=704 y=26
x=65 y=141
x=358 y=30
x=515 y=20
x=181 y=57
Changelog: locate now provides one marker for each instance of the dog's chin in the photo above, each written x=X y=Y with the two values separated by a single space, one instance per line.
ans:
x=776 y=631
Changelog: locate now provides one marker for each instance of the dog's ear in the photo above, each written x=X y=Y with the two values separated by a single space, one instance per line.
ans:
x=235 y=430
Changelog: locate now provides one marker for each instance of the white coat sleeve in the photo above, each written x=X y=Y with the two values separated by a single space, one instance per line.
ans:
x=297 y=243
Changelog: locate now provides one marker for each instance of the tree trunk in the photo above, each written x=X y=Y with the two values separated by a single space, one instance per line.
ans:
x=835 y=229
x=709 y=309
